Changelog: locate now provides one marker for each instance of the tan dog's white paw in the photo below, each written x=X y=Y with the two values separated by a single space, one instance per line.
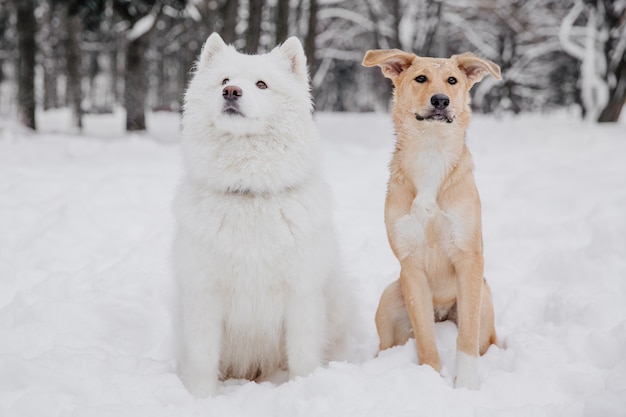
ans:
x=466 y=371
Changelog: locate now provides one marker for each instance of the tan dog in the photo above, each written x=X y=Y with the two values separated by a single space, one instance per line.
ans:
x=432 y=211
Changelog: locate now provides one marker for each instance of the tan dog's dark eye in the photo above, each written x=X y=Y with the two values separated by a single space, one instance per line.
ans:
x=421 y=79
x=225 y=81
x=452 y=80
x=261 y=85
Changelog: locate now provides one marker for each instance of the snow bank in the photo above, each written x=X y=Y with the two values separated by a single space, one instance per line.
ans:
x=85 y=284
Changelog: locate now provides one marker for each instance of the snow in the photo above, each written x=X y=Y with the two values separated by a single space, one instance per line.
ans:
x=85 y=281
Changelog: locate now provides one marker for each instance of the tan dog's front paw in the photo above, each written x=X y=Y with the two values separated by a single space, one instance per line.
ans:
x=466 y=372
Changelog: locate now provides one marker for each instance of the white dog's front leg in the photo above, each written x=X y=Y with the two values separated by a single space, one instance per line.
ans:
x=200 y=321
x=305 y=330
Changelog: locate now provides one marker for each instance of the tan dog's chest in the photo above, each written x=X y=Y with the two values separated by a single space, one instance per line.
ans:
x=421 y=217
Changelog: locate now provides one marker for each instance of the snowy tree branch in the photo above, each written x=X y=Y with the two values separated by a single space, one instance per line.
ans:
x=144 y=25
x=568 y=44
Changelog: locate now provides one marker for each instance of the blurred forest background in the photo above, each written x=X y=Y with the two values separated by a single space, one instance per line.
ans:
x=97 y=55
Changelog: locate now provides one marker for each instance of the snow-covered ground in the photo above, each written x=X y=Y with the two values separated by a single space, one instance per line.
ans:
x=85 y=282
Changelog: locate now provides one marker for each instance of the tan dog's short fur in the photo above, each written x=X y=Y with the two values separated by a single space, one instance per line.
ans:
x=432 y=211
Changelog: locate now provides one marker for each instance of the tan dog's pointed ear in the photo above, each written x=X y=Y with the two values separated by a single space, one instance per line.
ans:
x=391 y=61
x=475 y=68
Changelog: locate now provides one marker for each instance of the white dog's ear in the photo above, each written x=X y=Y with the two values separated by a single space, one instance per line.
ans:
x=213 y=45
x=292 y=49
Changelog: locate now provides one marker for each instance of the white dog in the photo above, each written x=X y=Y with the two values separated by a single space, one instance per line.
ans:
x=255 y=253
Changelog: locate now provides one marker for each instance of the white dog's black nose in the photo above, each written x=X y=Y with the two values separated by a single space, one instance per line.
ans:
x=440 y=101
x=231 y=92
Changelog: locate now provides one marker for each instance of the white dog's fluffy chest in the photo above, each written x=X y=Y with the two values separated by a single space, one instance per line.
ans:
x=253 y=232
x=251 y=254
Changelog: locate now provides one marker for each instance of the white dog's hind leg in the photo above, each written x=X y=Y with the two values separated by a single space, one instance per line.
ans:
x=305 y=327
x=200 y=341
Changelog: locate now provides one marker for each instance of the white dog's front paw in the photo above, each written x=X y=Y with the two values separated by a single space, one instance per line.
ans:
x=200 y=385
x=466 y=371
x=303 y=368
x=302 y=362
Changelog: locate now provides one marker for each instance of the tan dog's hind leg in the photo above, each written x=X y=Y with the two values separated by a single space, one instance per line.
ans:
x=392 y=321
x=487 y=322
x=419 y=304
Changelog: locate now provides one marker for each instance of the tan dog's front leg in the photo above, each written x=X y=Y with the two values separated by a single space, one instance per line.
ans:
x=419 y=304
x=469 y=267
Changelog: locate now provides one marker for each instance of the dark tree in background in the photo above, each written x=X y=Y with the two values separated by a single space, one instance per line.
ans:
x=253 y=34
x=594 y=33
x=310 y=39
x=229 y=11
x=26 y=27
x=614 y=19
x=5 y=28
x=73 y=61
x=282 y=21
x=142 y=17
x=50 y=49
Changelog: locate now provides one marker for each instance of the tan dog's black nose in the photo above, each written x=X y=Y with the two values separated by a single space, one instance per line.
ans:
x=231 y=92
x=440 y=101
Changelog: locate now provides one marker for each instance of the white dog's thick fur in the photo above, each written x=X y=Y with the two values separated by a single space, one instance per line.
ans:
x=255 y=255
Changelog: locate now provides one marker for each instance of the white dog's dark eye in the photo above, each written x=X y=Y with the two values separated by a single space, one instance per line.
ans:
x=421 y=79
x=261 y=85
x=452 y=80
x=225 y=81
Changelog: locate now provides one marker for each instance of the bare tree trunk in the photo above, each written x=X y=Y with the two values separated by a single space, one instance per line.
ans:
x=161 y=90
x=441 y=34
x=397 y=16
x=617 y=97
x=282 y=21
x=433 y=11
x=115 y=70
x=136 y=84
x=136 y=77
x=73 y=59
x=253 y=34
x=50 y=47
x=26 y=27
x=113 y=39
x=614 y=19
x=311 y=36
x=230 y=21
